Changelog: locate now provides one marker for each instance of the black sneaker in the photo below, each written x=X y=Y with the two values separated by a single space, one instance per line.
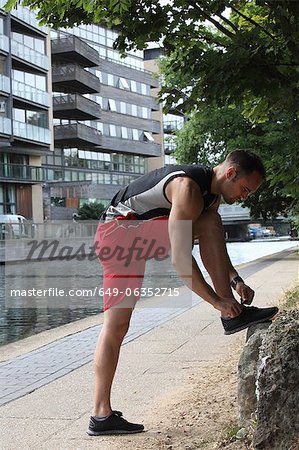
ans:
x=114 y=424
x=249 y=316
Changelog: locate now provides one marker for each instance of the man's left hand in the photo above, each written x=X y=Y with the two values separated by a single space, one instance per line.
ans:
x=245 y=292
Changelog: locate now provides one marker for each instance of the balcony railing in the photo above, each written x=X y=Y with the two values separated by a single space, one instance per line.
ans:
x=77 y=134
x=5 y=125
x=31 y=132
x=28 y=54
x=27 y=92
x=4 y=43
x=71 y=78
x=171 y=126
x=75 y=106
x=4 y=84
x=20 y=172
x=73 y=48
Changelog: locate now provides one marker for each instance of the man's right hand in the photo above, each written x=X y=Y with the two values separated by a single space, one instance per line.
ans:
x=229 y=307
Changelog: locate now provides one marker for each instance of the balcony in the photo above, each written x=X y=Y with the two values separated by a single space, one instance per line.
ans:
x=29 y=55
x=73 y=49
x=25 y=15
x=130 y=146
x=75 y=106
x=20 y=172
x=71 y=78
x=172 y=126
x=75 y=135
x=24 y=91
x=4 y=43
x=31 y=132
x=4 y=84
x=5 y=126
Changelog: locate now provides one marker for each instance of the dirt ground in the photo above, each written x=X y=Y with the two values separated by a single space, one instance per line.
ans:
x=203 y=414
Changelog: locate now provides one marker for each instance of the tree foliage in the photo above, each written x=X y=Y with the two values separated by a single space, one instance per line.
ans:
x=245 y=63
x=90 y=211
x=212 y=132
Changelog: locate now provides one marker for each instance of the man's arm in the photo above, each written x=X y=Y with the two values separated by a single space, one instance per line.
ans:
x=237 y=283
x=187 y=205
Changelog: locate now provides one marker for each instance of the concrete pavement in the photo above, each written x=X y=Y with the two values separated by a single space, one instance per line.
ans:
x=165 y=346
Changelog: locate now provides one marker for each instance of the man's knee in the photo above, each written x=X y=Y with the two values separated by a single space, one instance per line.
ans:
x=117 y=322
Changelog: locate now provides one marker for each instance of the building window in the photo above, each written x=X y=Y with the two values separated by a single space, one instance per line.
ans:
x=7 y=200
x=148 y=137
x=135 y=134
x=124 y=133
x=123 y=84
x=112 y=130
x=112 y=105
x=133 y=86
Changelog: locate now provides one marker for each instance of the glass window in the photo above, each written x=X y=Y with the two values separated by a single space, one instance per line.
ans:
x=28 y=41
x=148 y=136
x=144 y=90
x=112 y=130
x=135 y=134
x=124 y=132
x=134 y=110
x=18 y=75
x=112 y=105
x=19 y=115
x=30 y=79
x=110 y=79
x=41 y=82
x=123 y=84
x=133 y=86
x=145 y=113
x=123 y=107
x=39 y=45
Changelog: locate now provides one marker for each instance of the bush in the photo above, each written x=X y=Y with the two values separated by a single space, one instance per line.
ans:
x=90 y=211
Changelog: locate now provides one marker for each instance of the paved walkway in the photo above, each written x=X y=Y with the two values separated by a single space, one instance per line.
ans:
x=163 y=348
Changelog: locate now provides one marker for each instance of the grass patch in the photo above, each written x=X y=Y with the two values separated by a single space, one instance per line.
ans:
x=291 y=298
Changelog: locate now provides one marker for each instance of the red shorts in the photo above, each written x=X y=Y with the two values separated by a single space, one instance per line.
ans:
x=123 y=246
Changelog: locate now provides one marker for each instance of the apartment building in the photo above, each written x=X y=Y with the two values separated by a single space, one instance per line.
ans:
x=104 y=127
x=171 y=122
x=95 y=135
x=25 y=112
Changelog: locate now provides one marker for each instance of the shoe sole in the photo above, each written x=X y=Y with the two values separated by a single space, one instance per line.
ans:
x=243 y=327
x=111 y=432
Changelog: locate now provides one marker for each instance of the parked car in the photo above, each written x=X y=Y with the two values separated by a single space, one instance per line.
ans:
x=13 y=226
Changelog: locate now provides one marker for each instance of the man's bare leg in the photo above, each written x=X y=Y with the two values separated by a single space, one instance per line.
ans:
x=115 y=327
x=209 y=231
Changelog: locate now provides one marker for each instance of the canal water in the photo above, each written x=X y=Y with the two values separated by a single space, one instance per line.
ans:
x=19 y=320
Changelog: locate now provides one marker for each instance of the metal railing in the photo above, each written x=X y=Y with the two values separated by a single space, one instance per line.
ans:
x=76 y=100
x=172 y=125
x=21 y=172
x=66 y=42
x=54 y=230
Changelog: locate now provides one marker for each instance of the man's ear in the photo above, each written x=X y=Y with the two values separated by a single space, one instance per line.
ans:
x=231 y=173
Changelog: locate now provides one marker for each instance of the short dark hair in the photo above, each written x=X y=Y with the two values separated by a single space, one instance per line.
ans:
x=247 y=161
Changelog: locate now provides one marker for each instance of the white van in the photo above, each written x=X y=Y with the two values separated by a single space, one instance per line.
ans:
x=13 y=225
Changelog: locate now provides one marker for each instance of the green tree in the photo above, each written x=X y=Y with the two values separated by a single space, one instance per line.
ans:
x=90 y=211
x=212 y=132
x=247 y=59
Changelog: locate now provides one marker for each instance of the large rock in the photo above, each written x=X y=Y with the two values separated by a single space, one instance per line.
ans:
x=247 y=370
x=278 y=386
